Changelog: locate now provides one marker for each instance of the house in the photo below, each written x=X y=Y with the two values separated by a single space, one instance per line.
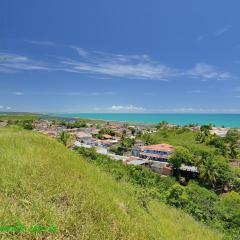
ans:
x=157 y=152
x=141 y=162
x=83 y=137
x=189 y=172
x=163 y=168
x=107 y=136
x=3 y=123
x=221 y=132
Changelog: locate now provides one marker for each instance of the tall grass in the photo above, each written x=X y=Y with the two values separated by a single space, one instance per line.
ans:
x=43 y=183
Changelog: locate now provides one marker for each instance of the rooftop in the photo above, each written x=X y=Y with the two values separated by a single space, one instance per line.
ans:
x=158 y=147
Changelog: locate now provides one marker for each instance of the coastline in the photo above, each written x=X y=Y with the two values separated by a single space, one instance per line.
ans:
x=218 y=120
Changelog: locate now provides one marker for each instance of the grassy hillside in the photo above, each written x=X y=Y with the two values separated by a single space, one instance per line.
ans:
x=18 y=116
x=43 y=183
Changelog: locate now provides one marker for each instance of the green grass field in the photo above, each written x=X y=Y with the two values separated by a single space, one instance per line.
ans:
x=44 y=183
x=179 y=138
x=18 y=116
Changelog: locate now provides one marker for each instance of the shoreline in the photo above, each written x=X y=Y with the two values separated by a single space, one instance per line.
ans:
x=233 y=123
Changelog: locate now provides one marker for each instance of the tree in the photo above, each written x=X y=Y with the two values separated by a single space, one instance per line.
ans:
x=161 y=124
x=228 y=211
x=232 y=136
x=215 y=172
x=181 y=155
x=219 y=144
x=205 y=128
x=176 y=196
x=233 y=150
x=65 y=138
x=27 y=124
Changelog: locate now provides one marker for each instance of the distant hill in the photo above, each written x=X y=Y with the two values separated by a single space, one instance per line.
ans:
x=44 y=183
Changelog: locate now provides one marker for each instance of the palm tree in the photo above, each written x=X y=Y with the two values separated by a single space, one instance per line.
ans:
x=64 y=138
x=209 y=172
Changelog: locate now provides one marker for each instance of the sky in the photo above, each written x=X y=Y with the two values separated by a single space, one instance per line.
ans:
x=138 y=56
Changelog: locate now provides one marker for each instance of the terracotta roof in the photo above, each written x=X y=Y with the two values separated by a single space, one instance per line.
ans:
x=107 y=136
x=158 y=147
x=82 y=135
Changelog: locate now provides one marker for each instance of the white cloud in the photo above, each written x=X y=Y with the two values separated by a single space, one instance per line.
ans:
x=107 y=65
x=18 y=93
x=76 y=93
x=8 y=108
x=1 y=107
x=222 y=30
x=120 y=109
x=44 y=43
x=200 y=38
x=118 y=65
x=12 y=62
x=80 y=51
x=203 y=70
x=127 y=108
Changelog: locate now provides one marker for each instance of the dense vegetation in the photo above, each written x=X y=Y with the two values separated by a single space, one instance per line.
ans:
x=221 y=212
x=44 y=183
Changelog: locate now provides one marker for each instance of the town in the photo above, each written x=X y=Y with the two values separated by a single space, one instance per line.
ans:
x=120 y=141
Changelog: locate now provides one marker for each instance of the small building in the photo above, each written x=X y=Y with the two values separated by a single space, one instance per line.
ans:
x=163 y=168
x=189 y=172
x=137 y=161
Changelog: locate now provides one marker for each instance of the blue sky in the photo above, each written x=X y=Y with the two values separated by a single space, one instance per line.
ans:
x=120 y=56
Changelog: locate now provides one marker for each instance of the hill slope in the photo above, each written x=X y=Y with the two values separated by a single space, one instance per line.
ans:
x=43 y=183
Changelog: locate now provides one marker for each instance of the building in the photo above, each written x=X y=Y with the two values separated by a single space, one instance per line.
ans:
x=161 y=167
x=157 y=152
x=83 y=137
x=221 y=132
x=107 y=136
x=189 y=172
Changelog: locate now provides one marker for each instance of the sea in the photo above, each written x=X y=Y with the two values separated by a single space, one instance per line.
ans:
x=226 y=120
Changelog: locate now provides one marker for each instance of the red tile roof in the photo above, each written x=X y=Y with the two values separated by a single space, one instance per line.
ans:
x=107 y=136
x=158 y=147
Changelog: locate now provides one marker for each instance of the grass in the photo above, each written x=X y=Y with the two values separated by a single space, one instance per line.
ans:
x=181 y=138
x=18 y=116
x=44 y=183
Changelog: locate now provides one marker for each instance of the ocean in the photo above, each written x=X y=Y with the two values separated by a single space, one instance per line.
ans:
x=227 y=120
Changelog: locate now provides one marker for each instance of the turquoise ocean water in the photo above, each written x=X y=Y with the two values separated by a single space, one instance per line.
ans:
x=227 y=120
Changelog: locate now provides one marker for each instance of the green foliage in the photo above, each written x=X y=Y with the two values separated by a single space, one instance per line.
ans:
x=181 y=155
x=161 y=124
x=147 y=138
x=74 y=124
x=201 y=202
x=107 y=131
x=228 y=211
x=176 y=196
x=27 y=124
x=215 y=172
x=18 y=116
x=219 y=143
x=65 y=138
x=233 y=136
